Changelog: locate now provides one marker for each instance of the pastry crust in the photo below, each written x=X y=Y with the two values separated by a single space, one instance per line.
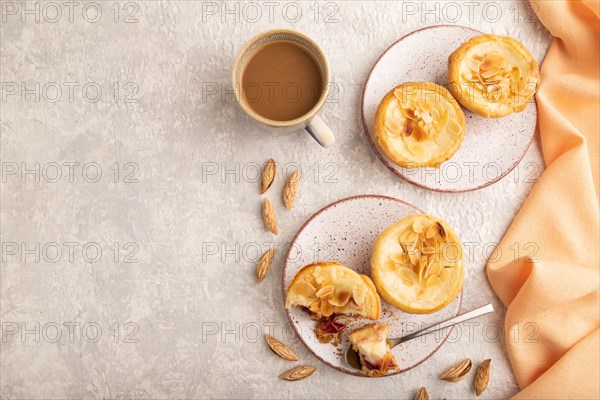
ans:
x=370 y=342
x=417 y=264
x=419 y=124
x=327 y=288
x=493 y=76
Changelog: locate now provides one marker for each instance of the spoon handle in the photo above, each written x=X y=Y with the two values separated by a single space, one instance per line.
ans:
x=478 y=312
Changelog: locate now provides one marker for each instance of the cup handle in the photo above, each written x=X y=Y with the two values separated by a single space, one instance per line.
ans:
x=319 y=130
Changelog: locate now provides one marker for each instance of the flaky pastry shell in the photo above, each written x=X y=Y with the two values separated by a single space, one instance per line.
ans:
x=493 y=75
x=327 y=288
x=419 y=124
x=417 y=264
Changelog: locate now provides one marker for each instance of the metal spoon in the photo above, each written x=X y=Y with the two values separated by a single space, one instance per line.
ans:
x=353 y=360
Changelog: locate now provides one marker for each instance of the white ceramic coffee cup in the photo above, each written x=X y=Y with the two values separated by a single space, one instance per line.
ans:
x=310 y=121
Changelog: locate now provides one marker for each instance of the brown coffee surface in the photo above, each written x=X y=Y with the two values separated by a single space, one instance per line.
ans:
x=282 y=81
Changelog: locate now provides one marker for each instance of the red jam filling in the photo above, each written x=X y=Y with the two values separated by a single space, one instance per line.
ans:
x=330 y=325
x=368 y=364
x=376 y=367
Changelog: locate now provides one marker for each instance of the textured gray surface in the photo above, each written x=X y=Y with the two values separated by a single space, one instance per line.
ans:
x=186 y=202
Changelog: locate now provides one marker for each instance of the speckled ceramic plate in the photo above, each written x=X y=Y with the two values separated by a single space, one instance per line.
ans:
x=491 y=148
x=345 y=231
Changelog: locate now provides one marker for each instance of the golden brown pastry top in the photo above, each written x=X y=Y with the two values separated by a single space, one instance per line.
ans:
x=417 y=264
x=493 y=75
x=419 y=124
x=327 y=288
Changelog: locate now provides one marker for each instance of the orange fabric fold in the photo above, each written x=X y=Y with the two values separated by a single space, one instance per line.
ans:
x=552 y=289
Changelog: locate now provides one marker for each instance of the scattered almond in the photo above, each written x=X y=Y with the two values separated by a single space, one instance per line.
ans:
x=298 y=373
x=280 y=349
x=269 y=216
x=268 y=175
x=264 y=264
x=422 y=394
x=458 y=371
x=291 y=187
x=482 y=377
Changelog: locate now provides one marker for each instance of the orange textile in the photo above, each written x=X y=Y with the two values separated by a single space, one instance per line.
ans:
x=552 y=288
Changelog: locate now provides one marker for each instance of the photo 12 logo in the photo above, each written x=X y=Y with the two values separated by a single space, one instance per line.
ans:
x=251 y=172
x=70 y=92
x=270 y=11
x=53 y=12
x=68 y=172
x=68 y=332
x=474 y=171
x=452 y=12
x=69 y=252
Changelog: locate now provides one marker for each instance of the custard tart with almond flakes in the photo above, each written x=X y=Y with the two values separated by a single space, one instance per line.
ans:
x=370 y=342
x=417 y=264
x=419 y=124
x=327 y=288
x=493 y=76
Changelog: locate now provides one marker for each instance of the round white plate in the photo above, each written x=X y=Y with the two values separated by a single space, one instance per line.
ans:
x=345 y=231
x=492 y=146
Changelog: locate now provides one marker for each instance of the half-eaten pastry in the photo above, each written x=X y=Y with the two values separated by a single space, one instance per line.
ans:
x=417 y=264
x=327 y=288
x=493 y=76
x=419 y=124
x=370 y=342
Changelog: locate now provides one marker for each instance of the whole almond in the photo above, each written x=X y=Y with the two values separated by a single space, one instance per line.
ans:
x=268 y=175
x=298 y=373
x=264 y=264
x=458 y=371
x=281 y=349
x=422 y=394
x=269 y=216
x=482 y=377
x=290 y=190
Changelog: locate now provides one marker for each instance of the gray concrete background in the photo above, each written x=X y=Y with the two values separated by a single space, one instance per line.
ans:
x=130 y=214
